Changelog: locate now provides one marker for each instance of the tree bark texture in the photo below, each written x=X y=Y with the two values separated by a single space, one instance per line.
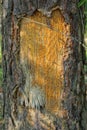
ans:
x=43 y=61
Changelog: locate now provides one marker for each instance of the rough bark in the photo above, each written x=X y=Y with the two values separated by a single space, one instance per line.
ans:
x=73 y=95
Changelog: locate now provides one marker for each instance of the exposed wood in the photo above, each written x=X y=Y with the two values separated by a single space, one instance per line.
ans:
x=41 y=55
x=41 y=49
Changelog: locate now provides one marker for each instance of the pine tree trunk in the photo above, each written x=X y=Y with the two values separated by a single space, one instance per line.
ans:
x=43 y=77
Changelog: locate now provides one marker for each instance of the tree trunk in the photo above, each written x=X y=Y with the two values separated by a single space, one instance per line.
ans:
x=43 y=77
